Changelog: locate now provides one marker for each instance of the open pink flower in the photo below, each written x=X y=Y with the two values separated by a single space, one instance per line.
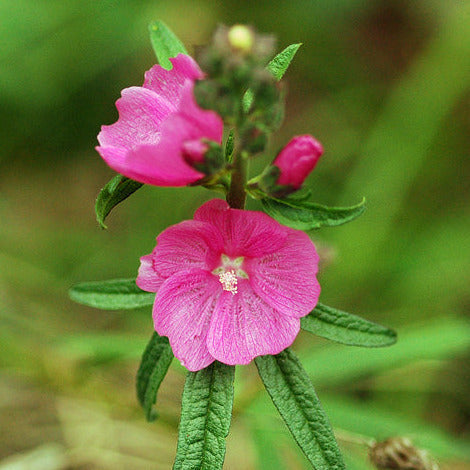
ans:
x=156 y=123
x=231 y=285
x=297 y=159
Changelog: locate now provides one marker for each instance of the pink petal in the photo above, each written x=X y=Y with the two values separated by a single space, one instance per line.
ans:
x=182 y=311
x=141 y=113
x=285 y=279
x=159 y=165
x=163 y=164
x=297 y=159
x=246 y=233
x=205 y=123
x=187 y=245
x=168 y=83
x=243 y=326
x=148 y=278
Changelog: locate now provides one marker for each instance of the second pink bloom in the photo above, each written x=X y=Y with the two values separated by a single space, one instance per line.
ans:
x=157 y=122
x=230 y=285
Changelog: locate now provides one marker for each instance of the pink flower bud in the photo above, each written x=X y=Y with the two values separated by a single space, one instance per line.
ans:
x=194 y=151
x=297 y=159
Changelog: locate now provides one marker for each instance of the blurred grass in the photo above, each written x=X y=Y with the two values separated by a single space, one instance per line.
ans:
x=385 y=87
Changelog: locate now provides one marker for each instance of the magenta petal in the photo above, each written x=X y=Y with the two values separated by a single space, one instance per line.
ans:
x=141 y=113
x=148 y=278
x=286 y=279
x=182 y=311
x=244 y=326
x=246 y=233
x=205 y=123
x=187 y=245
x=168 y=83
x=159 y=165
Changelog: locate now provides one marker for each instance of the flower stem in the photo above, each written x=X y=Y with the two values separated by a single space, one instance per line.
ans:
x=236 y=195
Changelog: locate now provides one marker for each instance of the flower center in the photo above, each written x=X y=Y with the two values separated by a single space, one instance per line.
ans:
x=229 y=272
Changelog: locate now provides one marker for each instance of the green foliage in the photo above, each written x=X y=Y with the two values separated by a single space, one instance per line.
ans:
x=116 y=294
x=346 y=328
x=229 y=146
x=293 y=395
x=165 y=44
x=155 y=362
x=305 y=215
x=331 y=365
x=205 y=418
x=279 y=65
x=116 y=191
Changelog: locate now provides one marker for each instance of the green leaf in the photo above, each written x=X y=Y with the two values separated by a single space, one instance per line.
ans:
x=347 y=328
x=229 y=145
x=118 y=189
x=279 y=65
x=205 y=418
x=294 y=396
x=433 y=339
x=304 y=215
x=165 y=43
x=115 y=294
x=155 y=362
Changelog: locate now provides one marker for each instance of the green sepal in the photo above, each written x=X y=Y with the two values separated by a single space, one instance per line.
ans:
x=155 y=362
x=293 y=394
x=304 y=215
x=165 y=43
x=115 y=294
x=205 y=418
x=115 y=191
x=347 y=328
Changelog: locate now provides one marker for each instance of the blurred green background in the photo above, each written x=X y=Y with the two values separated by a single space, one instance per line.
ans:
x=383 y=85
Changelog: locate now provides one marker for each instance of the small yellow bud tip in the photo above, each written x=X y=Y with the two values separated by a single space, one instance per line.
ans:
x=241 y=37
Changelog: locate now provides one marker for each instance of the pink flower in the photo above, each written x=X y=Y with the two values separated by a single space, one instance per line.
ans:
x=157 y=122
x=231 y=285
x=297 y=159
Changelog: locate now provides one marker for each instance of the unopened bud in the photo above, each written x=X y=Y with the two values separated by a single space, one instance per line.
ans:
x=400 y=454
x=194 y=151
x=297 y=159
x=241 y=38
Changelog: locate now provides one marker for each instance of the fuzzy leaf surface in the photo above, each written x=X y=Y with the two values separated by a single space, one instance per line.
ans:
x=115 y=294
x=205 y=418
x=293 y=395
x=305 y=215
x=155 y=362
x=347 y=328
x=280 y=63
x=118 y=189
x=165 y=43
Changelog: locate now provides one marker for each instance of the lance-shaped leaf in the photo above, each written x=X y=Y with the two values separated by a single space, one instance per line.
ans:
x=115 y=294
x=155 y=362
x=165 y=43
x=205 y=418
x=278 y=67
x=305 y=215
x=118 y=189
x=346 y=328
x=294 y=396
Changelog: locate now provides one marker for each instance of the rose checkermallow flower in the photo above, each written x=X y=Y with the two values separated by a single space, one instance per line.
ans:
x=230 y=285
x=159 y=126
x=297 y=159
